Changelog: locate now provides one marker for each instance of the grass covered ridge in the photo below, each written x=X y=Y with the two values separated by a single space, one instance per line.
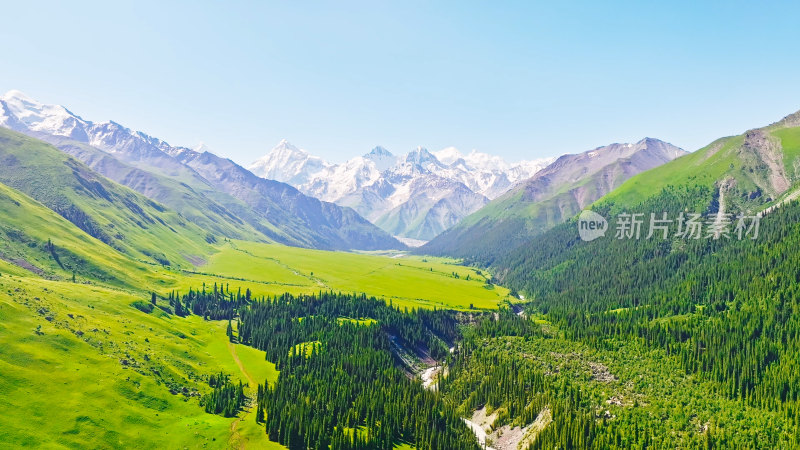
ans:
x=69 y=354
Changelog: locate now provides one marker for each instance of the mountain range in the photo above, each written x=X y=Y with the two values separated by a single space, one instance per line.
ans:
x=146 y=271
x=211 y=191
x=553 y=195
x=369 y=202
x=414 y=196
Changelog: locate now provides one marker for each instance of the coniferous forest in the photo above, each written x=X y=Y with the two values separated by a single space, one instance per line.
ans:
x=716 y=319
x=341 y=385
x=226 y=398
x=723 y=312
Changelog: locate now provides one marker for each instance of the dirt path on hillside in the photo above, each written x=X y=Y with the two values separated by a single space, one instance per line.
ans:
x=250 y=380
x=236 y=440
x=277 y=261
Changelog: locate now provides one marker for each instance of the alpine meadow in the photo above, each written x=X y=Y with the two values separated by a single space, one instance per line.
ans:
x=477 y=247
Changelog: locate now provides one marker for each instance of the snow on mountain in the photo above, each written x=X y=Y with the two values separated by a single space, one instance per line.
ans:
x=288 y=164
x=425 y=206
x=382 y=158
x=202 y=148
x=488 y=175
x=339 y=180
x=417 y=195
x=448 y=155
x=275 y=209
x=20 y=111
x=554 y=194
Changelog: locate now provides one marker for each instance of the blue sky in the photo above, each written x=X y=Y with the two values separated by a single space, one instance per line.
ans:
x=519 y=79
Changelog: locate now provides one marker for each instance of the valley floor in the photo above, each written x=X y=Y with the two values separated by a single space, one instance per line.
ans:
x=403 y=279
x=72 y=352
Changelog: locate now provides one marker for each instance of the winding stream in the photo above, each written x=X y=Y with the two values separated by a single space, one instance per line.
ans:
x=428 y=377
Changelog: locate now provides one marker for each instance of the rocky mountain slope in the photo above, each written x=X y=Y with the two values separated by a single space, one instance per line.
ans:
x=748 y=171
x=554 y=194
x=215 y=191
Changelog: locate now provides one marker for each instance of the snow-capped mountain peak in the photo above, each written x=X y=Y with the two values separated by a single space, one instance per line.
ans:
x=486 y=161
x=416 y=195
x=420 y=160
x=379 y=151
x=448 y=155
x=285 y=146
x=202 y=148
x=208 y=183
x=420 y=155
x=288 y=164
x=30 y=114
x=21 y=113
x=18 y=96
x=382 y=158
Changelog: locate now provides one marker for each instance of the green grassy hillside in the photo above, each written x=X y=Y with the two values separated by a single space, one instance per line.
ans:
x=27 y=227
x=754 y=170
x=114 y=214
x=71 y=351
x=70 y=354
x=192 y=197
x=266 y=269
